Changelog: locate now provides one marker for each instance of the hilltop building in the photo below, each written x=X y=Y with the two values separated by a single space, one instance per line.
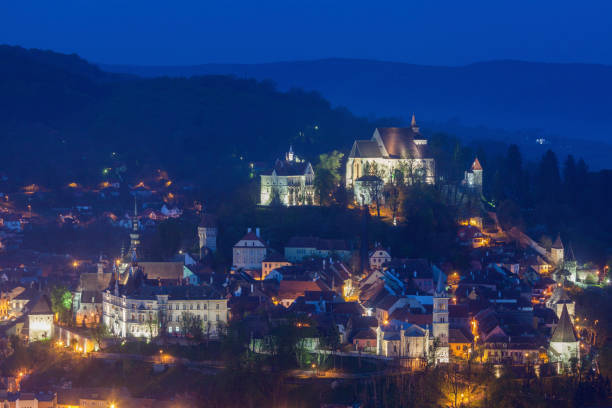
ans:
x=473 y=177
x=291 y=182
x=391 y=152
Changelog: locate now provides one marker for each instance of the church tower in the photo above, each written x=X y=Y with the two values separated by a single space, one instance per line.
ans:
x=134 y=235
x=440 y=320
x=207 y=234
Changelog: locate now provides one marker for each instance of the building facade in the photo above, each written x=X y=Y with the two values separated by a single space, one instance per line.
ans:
x=149 y=309
x=40 y=320
x=250 y=251
x=390 y=153
x=291 y=182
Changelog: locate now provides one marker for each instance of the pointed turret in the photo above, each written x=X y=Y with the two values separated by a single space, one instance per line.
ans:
x=558 y=244
x=476 y=165
x=556 y=251
x=290 y=156
x=564 y=332
x=440 y=286
x=413 y=124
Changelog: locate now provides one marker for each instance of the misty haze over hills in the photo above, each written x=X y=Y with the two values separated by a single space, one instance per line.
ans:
x=569 y=105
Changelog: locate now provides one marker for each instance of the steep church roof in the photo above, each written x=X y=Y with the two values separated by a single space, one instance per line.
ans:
x=400 y=142
x=476 y=165
x=564 y=332
x=365 y=149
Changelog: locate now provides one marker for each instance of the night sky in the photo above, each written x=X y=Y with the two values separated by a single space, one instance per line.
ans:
x=436 y=32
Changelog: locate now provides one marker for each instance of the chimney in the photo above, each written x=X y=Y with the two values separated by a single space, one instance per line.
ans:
x=257 y=232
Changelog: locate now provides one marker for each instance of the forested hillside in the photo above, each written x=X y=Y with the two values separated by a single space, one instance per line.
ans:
x=62 y=119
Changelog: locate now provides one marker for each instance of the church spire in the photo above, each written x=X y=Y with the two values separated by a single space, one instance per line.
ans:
x=134 y=235
x=440 y=286
x=413 y=124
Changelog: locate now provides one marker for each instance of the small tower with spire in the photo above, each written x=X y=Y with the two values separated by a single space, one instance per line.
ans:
x=564 y=345
x=557 y=251
x=440 y=320
x=473 y=177
x=290 y=156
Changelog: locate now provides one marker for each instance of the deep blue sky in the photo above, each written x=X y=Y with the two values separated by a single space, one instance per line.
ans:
x=179 y=32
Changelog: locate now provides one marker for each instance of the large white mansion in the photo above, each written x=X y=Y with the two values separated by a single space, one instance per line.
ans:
x=144 y=310
x=291 y=182
x=391 y=150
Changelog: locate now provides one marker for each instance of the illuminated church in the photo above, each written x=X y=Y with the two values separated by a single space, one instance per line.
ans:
x=391 y=152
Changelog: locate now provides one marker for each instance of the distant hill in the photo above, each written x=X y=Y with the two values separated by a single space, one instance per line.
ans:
x=562 y=98
x=64 y=119
x=571 y=101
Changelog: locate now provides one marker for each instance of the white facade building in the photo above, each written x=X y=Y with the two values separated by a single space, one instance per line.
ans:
x=250 y=251
x=291 y=182
x=40 y=319
x=150 y=309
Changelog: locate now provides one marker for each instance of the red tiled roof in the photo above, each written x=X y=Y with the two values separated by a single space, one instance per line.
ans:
x=250 y=236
